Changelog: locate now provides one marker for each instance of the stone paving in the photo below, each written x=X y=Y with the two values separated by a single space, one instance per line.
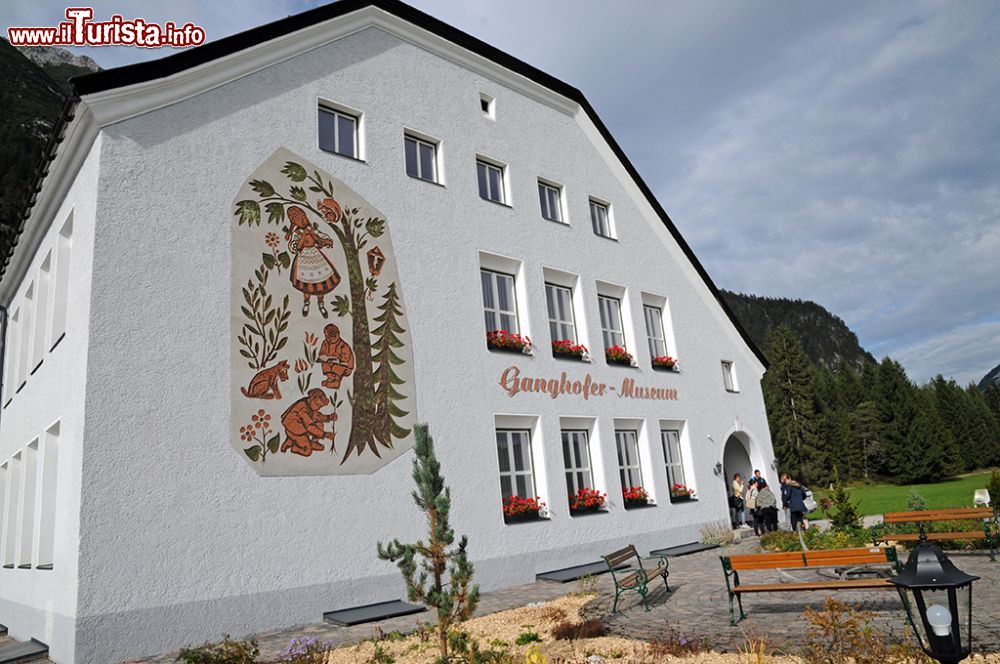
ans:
x=695 y=607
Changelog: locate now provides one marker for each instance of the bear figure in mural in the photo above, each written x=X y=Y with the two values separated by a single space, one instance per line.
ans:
x=304 y=424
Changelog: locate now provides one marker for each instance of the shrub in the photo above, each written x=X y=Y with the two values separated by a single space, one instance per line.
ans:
x=677 y=645
x=915 y=502
x=720 y=532
x=306 y=651
x=994 y=488
x=379 y=656
x=783 y=540
x=838 y=634
x=227 y=652
x=569 y=631
x=524 y=638
x=586 y=585
x=466 y=650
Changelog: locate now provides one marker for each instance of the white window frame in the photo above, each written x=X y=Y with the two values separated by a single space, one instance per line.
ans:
x=554 y=320
x=674 y=467
x=596 y=206
x=496 y=314
x=629 y=465
x=570 y=438
x=546 y=192
x=608 y=305
x=729 y=376
x=339 y=112
x=512 y=474
x=501 y=170
x=422 y=142
x=653 y=316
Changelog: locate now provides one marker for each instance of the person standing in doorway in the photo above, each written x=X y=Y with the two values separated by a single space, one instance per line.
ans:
x=739 y=489
x=784 y=499
x=751 y=504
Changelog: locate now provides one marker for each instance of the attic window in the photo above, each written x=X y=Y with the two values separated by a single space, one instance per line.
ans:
x=488 y=105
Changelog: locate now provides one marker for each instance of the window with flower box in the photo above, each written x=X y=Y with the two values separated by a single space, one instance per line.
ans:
x=499 y=304
x=629 y=470
x=514 y=452
x=671 y=441
x=576 y=461
x=611 y=321
x=654 y=330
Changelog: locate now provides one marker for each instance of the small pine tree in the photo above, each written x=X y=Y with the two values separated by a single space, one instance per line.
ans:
x=843 y=514
x=915 y=502
x=448 y=568
x=994 y=488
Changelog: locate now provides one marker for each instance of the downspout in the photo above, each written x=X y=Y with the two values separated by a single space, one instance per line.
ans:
x=3 y=350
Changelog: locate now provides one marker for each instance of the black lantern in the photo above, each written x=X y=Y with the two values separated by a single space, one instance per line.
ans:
x=937 y=597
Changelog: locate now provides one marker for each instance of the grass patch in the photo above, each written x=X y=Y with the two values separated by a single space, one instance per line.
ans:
x=882 y=498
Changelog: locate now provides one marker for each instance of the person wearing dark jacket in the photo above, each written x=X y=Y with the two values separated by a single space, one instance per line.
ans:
x=796 y=501
x=767 y=507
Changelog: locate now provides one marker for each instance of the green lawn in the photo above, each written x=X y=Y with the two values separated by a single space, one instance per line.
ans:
x=881 y=498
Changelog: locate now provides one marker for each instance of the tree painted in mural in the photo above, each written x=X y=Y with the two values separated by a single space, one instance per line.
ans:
x=324 y=230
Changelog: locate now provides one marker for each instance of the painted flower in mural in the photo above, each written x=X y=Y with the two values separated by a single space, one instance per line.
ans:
x=324 y=244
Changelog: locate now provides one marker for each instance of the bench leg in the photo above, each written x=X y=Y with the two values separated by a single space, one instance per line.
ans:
x=664 y=576
x=644 y=592
x=614 y=608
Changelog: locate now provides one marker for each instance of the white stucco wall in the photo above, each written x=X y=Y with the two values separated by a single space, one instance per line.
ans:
x=40 y=603
x=179 y=540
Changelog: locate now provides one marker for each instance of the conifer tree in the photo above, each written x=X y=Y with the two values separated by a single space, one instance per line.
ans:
x=984 y=427
x=956 y=412
x=896 y=406
x=385 y=359
x=992 y=396
x=931 y=453
x=867 y=438
x=443 y=581
x=789 y=402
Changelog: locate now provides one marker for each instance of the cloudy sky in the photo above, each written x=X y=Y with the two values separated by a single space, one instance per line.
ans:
x=846 y=153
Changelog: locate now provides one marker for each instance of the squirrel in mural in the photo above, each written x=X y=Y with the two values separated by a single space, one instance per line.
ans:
x=336 y=356
x=313 y=273
x=265 y=384
x=304 y=422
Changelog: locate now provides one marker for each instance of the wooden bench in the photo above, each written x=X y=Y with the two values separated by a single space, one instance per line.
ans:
x=844 y=561
x=635 y=578
x=985 y=514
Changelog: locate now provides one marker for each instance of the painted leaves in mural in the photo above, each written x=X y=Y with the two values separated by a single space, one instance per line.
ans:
x=316 y=293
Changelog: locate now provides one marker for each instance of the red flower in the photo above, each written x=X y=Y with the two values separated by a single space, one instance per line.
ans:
x=664 y=361
x=507 y=340
x=587 y=498
x=567 y=347
x=618 y=355
x=515 y=505
x=635 y=494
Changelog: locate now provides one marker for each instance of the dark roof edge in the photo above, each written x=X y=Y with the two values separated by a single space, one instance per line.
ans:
x=56 y=136
x=172 y=64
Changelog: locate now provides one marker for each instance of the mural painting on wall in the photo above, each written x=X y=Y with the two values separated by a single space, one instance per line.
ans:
x=322 y=368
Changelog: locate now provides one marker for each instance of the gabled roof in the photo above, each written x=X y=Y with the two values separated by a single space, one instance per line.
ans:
x=148 y=71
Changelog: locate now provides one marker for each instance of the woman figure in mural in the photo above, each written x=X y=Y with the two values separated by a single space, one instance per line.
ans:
x=336 y=356
x=313 y=273
x=304 y=424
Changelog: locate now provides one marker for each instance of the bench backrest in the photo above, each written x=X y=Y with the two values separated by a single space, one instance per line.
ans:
x=939 y=515
x=621 y=556
x=826 y=558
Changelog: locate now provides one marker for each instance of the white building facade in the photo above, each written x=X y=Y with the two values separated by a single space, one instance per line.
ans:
x=135 y=520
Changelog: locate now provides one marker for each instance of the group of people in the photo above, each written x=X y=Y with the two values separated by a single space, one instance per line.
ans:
x=755 y=501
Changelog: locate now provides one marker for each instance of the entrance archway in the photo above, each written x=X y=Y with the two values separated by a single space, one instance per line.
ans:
x=736 y=459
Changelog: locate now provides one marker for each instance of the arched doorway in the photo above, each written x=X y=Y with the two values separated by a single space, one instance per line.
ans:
x=735 y=459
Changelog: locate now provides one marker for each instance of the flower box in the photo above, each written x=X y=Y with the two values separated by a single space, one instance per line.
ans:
x=618 y=355
x=681 y=499
x=582 y=511
x=567 y=349
x=587 y=500
x=680 y=493
x=518 y=510
x=523 y=517
x=665 y=363
x=505 y=341
x=634 y=497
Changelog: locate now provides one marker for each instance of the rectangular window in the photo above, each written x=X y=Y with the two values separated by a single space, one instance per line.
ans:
x=48 y=493
x=514 y=452
x=490 y=181
x=629 y=472
x=38 y=346
x=560 y=305
x=13 y=509
x=499 y=306
x=654 y=331
x=60 y=296
x=576 y=458
x=26 y=525
x=550 y=200
x=671 y=441
x=10 y=357
x=25 y=331
x=600 y=218
x=729 y=376
x=611 y=321
x=421 y=158
x=338 y=132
